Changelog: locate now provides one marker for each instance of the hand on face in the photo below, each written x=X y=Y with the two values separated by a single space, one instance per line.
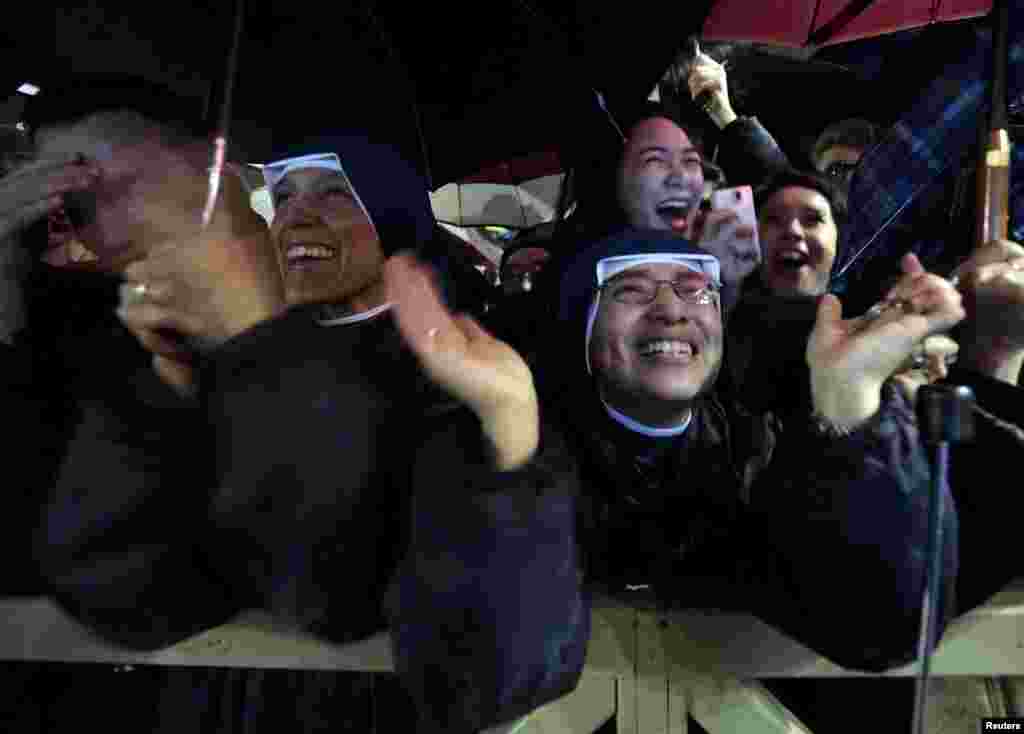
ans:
x=850 y=359
x=142 y=193
x=208 y=288
x=652 y=360
x=37 y=189
x=482 y=372
x=799 y=237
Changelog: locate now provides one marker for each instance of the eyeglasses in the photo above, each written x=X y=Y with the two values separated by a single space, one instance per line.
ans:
x=840 y=170
x=640 y=291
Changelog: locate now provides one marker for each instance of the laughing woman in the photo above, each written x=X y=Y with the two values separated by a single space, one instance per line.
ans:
x=379 y=462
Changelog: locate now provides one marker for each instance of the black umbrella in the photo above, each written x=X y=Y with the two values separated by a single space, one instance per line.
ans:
x=457 y=85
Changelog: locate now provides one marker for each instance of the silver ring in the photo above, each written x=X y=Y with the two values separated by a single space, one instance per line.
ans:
x=136 y=293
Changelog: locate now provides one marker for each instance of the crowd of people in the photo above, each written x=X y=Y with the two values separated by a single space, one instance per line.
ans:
x=666 y=407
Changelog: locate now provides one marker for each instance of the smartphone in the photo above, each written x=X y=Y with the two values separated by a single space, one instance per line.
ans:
x=741 y=200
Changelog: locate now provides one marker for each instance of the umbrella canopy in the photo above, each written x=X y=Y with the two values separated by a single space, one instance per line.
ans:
x=825 y=22
x=518 y=193
x=457 y=85
x=503 y=205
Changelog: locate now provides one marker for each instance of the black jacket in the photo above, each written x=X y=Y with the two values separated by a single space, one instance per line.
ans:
x=748 y=154
x=288 y=485
x=746 y=513
x=813 y=533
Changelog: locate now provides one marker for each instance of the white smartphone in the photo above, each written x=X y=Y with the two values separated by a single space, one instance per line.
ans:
x=741 y=200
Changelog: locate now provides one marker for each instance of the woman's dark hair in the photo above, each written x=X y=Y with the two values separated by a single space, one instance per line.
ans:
x=804 y=180
x=853 y=133
x=595 y=182
x=815 y=182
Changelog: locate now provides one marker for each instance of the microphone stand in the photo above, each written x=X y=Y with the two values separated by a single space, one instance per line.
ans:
x=945 y=416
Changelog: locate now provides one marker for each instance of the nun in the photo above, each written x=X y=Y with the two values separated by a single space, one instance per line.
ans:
x=379 y=461
x=688 y=499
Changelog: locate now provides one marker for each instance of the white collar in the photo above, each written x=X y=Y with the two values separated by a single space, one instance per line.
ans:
x=355 y=317
x=638 y=427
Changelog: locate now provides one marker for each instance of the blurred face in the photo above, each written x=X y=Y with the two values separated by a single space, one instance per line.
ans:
x=661 y=181
x=147 y=192
x=520 y=267
x=798 y=240
x=327 y=248
x=652 y=360
x=839 y=162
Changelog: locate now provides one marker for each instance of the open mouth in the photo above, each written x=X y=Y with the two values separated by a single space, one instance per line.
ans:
x=667 y=349
x=792 y=259
x=307 y=255
x=675 y=212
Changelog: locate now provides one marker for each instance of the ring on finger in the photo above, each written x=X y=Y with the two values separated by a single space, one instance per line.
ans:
x=136 y=292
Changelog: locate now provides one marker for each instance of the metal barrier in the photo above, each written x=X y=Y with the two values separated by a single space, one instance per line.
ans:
x=647 y=670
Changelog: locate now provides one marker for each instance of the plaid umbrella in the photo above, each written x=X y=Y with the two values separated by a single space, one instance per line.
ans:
x=922 y=148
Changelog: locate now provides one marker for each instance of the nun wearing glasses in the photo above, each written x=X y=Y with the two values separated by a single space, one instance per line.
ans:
x=688 y=500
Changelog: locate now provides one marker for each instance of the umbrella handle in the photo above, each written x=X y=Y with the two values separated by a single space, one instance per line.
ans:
x=993 y=211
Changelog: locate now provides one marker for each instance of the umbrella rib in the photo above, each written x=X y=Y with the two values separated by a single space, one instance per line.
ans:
x=417 y=119
x=220 y=143
x=814 y=20
x=853 y=10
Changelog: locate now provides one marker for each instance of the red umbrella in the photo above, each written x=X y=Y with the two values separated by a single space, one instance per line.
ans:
x=826 y=22
x=513 y=172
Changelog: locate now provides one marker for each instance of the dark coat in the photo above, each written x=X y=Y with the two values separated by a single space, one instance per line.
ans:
x=748 y=154
x=754 y=508
x=288 y=485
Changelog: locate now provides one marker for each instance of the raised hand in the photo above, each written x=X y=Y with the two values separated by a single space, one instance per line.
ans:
x=851 y=358
x=207 y=288
x=992 y=281
x=482 y=372
x=720 y=233
x=707 y=75
x=37 y=189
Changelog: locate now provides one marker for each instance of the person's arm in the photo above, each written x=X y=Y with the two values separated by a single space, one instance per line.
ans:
x=308 y=442
x=847 y=516
x=992 y=337
x=126 y=546
x=847 y=490
x=33 y=450
x=987 y=509
x=747 y=152
x=488 y=616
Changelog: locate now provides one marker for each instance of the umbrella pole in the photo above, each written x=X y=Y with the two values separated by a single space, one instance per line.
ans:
x=945 y=416
x=220 y=141
x=993 y=210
